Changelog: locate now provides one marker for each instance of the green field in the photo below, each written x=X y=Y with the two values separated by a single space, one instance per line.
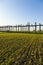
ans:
x=21 y=49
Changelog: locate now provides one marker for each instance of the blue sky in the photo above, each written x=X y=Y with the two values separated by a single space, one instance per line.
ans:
x=14 y=12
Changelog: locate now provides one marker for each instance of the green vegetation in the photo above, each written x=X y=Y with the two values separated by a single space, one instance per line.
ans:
x=21 y=49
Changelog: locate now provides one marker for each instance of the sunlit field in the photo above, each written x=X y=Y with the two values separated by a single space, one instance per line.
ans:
x=21 y=49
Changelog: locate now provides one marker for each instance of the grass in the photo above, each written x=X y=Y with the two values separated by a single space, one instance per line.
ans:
x=21 y=49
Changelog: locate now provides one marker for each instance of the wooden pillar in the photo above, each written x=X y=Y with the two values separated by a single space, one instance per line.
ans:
x=26 y=28
x=18 y=28
x=8 y=28
x=35 y=26
x=29 y=27
x=4 y=28
x=21 y=27
x=39 y=27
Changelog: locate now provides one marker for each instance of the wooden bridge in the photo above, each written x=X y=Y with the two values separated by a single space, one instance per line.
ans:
x=22 y=27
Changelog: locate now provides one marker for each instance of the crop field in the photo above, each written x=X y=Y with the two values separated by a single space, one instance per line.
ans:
x=21 y=49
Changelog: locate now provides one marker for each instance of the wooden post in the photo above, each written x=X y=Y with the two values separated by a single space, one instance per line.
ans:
x=4 y=28
x=29 y=27
x=18 y=28
x=21 y=27
x=35 y=26
x=28 y=24
x=8 y=28
x=39 y=27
